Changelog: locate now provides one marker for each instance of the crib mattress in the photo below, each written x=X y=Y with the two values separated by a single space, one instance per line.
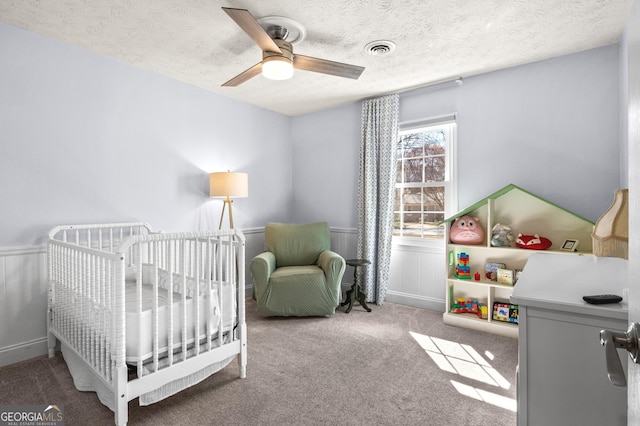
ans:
x=139 y=324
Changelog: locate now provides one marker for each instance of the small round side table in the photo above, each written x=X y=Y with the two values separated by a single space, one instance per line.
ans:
x=356 y=293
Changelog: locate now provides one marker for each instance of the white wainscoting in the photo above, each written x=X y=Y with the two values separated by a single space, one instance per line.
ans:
x=417 y=273
x=23 y=303
x=417 y=279
x=344 y=241
x=417 y=276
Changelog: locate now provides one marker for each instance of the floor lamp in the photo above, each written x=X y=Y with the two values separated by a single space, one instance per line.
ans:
x=228 y=185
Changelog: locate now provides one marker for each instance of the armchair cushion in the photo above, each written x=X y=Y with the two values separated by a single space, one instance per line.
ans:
x=294 y=244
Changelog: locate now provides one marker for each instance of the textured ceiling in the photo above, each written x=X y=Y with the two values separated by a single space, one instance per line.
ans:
x=196 y=42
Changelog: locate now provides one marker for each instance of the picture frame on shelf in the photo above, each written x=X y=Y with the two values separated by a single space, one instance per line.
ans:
x=569 y=245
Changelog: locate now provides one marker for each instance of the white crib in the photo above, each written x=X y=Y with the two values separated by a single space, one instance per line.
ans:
x=144 y=315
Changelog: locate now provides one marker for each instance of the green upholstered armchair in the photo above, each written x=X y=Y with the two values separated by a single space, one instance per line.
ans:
x=298 y=275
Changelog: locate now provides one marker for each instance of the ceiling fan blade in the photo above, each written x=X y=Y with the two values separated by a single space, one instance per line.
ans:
x=324 y=66
x=244 y=76
x=249 y=25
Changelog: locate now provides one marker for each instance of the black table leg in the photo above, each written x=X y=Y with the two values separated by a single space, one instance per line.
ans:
x=362 y=298
x=349 y=298
x=355 y=293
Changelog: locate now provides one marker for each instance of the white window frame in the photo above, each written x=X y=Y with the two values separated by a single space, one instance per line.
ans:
x=451 y=178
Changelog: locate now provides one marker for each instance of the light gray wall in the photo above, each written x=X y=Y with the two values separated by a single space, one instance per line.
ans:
x=550 y=127
x=87 y=139
x=325 y=166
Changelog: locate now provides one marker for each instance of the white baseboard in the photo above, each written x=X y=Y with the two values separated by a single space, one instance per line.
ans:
x=23 y=351
x=415 y=301
x=408 y=299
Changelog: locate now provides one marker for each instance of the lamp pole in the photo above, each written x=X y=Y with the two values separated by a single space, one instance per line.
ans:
x=230 y=202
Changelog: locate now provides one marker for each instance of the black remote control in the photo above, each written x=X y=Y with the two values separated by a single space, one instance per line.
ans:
x=600 y=299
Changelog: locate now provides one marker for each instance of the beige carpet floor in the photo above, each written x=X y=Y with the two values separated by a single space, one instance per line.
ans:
x=397 y=365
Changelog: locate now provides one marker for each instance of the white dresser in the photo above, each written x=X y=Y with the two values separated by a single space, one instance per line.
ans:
x=562 y=377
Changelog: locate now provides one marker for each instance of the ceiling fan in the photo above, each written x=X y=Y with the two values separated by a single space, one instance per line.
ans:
x=278 y=59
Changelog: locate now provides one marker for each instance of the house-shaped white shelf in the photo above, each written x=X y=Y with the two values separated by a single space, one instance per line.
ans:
x=529 y=214
x=525 y=213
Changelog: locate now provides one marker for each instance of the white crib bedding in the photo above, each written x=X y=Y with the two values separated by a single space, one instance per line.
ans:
x=139 y=322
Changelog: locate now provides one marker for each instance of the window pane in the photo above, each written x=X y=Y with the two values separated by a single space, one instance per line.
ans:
x=410 y=145
x=421 y=181
x=434 y=198
x=412 y=199
x=413 y=170
x=434 y=169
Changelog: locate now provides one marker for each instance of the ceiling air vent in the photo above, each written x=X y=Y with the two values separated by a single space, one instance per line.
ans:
x=380 y=47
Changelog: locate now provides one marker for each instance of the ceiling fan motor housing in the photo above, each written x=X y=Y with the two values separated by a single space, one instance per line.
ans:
x=285 y=47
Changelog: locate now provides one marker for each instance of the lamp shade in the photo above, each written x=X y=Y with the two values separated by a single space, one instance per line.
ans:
x=611 y=233
x=228 y=184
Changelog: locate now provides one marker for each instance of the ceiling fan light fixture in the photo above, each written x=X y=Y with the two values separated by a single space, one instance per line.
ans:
x=277 y=68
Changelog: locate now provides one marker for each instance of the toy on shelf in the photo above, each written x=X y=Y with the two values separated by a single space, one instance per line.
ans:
x=466 y=230
x=505 y=276
x=506 y=312
x=483 y=311
x=533 y=242
x=469 y=306
x=491 y=270
x=501 y=236
x=463 y=269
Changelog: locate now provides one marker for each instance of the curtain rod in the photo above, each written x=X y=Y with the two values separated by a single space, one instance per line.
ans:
x=434 y=86
x=423 y=88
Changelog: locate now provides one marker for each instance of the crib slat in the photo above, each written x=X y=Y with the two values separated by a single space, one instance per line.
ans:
x=94 y=320
x=170 y=253
x=219 y=282
x=111 y=329
x=155 y=325
x=183 y=318
x=239 y=285
x=196 y=298
x=209 y=280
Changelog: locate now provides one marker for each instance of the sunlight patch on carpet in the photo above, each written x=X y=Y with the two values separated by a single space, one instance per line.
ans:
x=460 y=359
x=465 y=361
x=485 y=396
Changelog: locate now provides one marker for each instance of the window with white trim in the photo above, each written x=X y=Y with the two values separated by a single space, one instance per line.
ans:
x=425 y=189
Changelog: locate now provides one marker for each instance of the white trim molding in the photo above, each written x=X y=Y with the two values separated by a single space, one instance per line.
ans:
x=23 y=303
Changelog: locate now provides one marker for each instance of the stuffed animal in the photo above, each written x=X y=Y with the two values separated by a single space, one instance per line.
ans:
x=466 y=230
x=501 y=236
x=533 y=242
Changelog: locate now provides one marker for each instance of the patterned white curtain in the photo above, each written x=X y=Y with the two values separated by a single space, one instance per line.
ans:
x=376 y=186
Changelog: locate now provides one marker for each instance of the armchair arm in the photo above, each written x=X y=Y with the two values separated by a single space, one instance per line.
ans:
x=262 y=266
x=333 y=266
